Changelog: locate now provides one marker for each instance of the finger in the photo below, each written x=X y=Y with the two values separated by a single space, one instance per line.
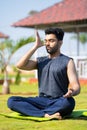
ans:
x=66 y=95
x=37 y=35
x=36 y=32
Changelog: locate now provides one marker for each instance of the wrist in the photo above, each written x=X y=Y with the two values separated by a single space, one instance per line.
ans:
x=71 y=91
x=35 y=48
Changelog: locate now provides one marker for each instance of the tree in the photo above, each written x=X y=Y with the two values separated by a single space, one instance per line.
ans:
x=7 y=49
x=19 y=44
x=82 y=38
x=32 y=12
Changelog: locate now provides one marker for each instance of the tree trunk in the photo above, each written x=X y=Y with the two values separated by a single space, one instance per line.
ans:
x=5 y=89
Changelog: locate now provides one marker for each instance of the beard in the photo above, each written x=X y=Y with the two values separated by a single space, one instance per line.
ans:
x=52 y=50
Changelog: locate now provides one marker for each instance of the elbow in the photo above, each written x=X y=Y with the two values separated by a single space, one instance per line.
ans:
x=76 y=91
x=18 y=66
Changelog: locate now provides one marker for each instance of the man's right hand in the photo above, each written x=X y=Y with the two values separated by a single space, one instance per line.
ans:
x=38 y=42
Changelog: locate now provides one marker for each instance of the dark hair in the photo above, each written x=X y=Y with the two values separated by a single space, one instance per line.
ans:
x=56 y=31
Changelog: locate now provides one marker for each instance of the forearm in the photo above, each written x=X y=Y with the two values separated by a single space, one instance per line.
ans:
x=72 y=91
x=24 y=62
x=25 y=59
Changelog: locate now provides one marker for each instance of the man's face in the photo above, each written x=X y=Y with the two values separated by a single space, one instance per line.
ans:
x=52 y=44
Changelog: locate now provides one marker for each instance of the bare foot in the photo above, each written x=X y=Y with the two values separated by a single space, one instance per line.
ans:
x=54 y=116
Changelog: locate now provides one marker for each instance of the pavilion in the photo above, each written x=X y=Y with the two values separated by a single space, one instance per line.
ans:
x=2 y=35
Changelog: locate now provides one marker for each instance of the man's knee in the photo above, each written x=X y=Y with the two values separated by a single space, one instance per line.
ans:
x=68 y=104
x=10 y=102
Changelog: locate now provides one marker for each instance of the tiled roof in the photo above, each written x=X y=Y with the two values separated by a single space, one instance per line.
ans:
x=3 y=35
x=65 y=11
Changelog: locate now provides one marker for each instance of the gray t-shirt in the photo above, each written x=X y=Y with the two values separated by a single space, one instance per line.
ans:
x=52 y=76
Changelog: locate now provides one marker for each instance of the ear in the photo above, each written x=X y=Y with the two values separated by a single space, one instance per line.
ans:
x=60 y=42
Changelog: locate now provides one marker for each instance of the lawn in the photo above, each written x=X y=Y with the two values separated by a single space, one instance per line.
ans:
x=26 y=89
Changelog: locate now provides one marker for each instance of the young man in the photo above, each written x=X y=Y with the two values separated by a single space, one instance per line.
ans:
x=55 y=73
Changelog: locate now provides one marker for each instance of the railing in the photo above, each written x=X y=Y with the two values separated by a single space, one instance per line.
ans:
x=81 y=66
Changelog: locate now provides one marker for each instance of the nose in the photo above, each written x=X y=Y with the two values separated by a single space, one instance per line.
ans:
x=47 y=43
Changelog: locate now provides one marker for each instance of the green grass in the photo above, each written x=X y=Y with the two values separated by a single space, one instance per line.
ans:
x=26 y=89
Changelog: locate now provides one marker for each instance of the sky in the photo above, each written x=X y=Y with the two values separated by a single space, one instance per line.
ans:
x=12 y=11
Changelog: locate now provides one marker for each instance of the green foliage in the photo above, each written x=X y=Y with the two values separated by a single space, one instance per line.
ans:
x=7 y=48
x=82 y=37
x=23 y=41
x=32 y=12
x=18 y=78
x=7 y=43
